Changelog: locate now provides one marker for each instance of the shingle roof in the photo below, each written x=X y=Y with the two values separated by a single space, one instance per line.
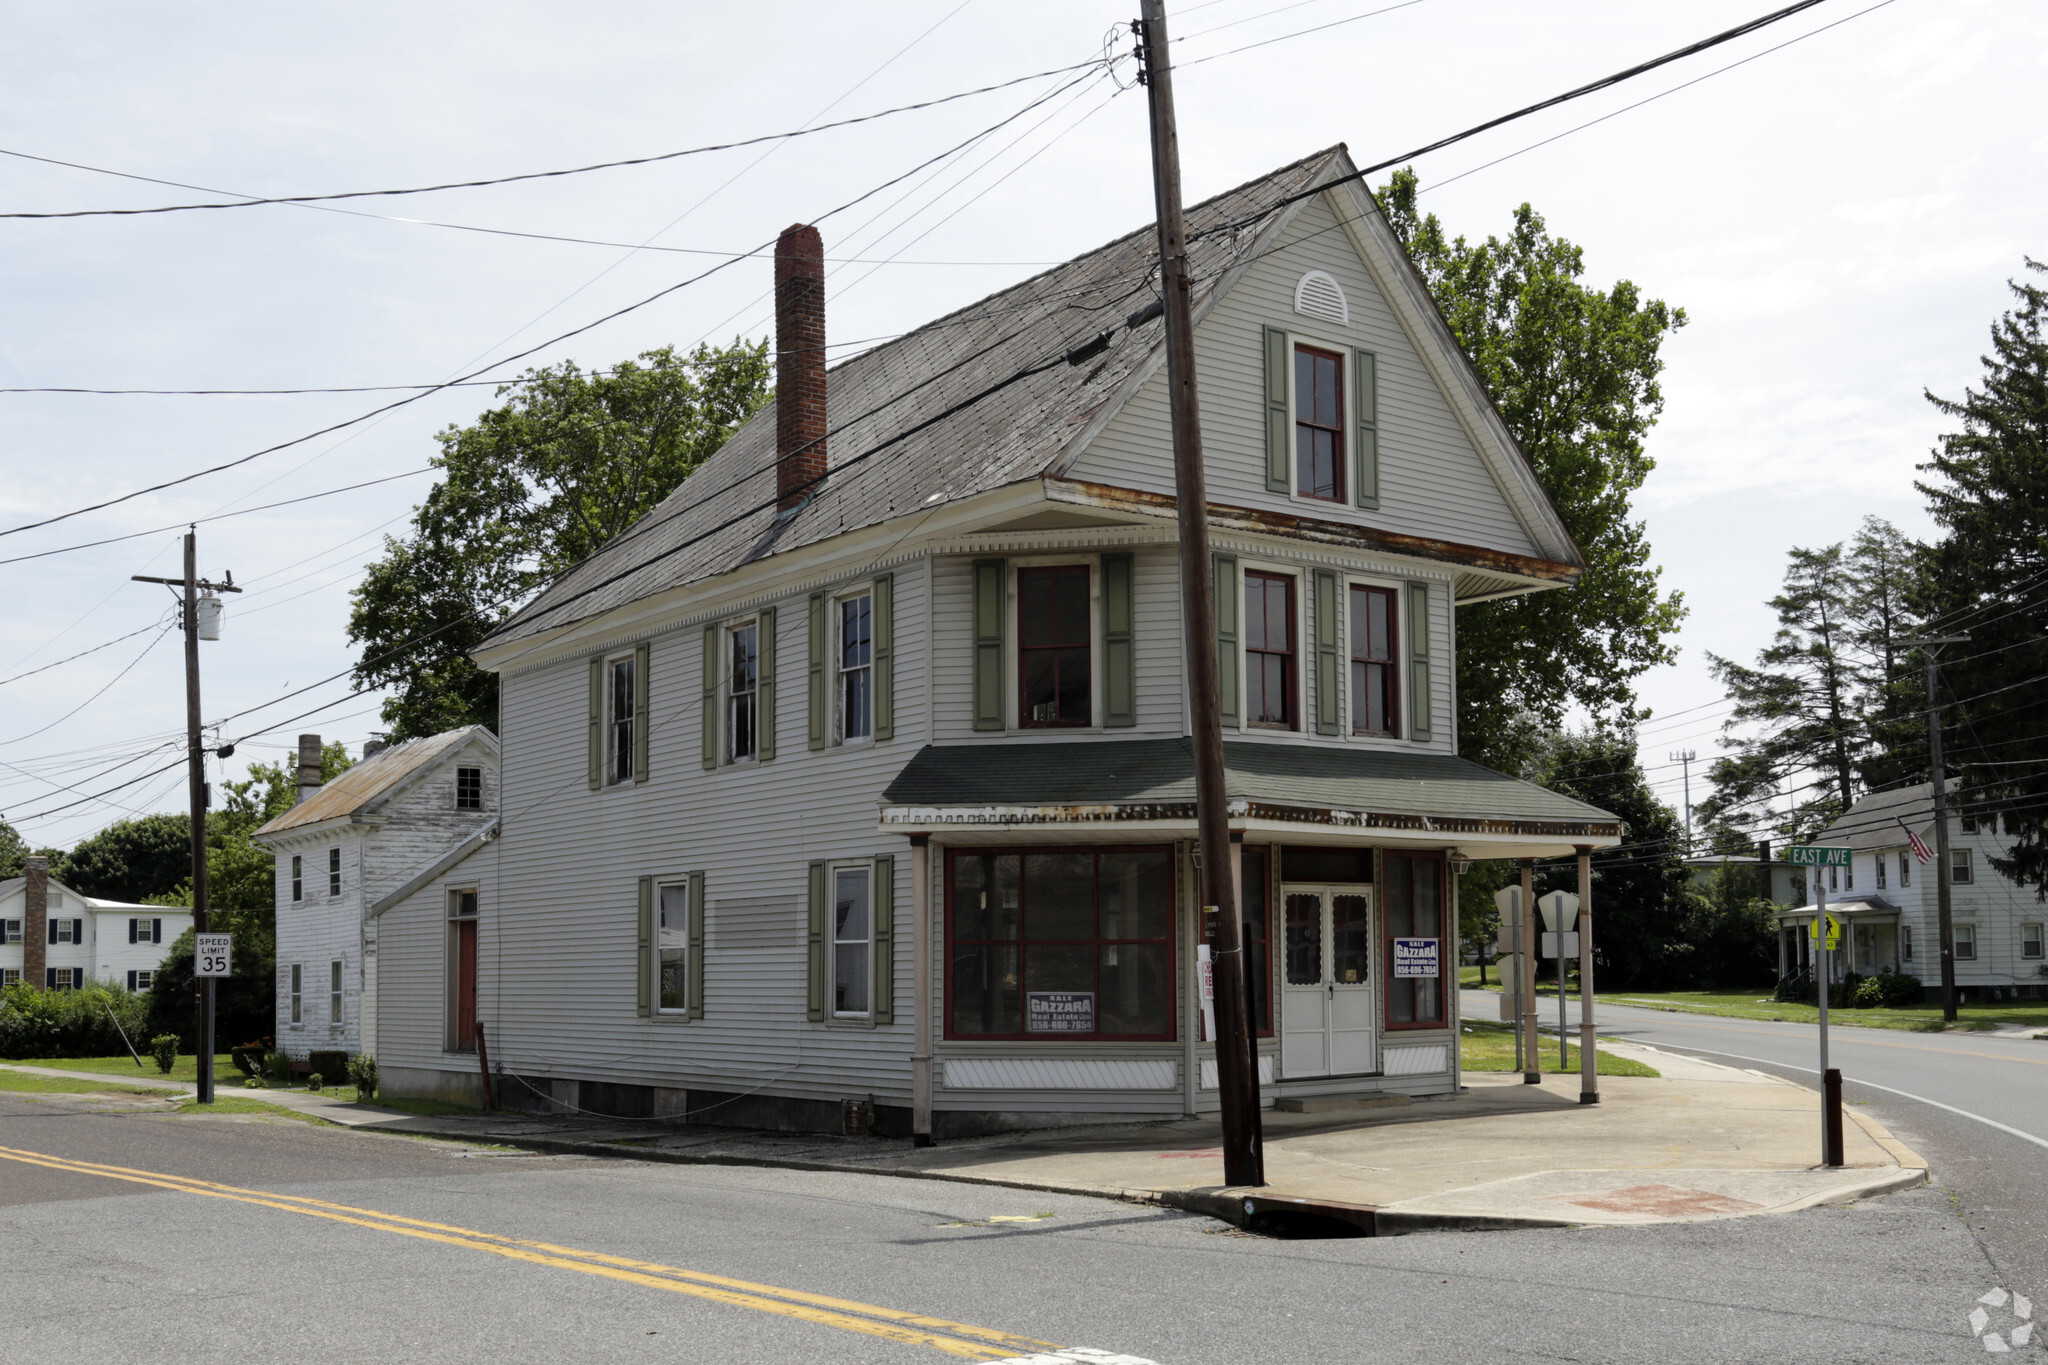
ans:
x=1161 y=771
x=362 y=785
x=1875 y=820
x=14 y=884
x=897 y=444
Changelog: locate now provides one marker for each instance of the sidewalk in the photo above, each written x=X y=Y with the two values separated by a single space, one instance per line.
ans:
x=1703 y=1141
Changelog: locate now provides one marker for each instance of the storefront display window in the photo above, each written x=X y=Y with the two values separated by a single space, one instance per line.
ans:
x=1257 y=937
x=1417 y=951
x=1060 y=944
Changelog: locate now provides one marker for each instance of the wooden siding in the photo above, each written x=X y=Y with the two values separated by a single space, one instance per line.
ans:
x=1432 y=481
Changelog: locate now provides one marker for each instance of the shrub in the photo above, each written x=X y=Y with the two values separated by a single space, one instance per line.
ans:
x=280 y=1065
x=248 y=1058
x=332 y=1066
x=164 y=1048
x=98 y=1020
x=244 y=1005
x=362 y=1074
x=1898 y=990
x=1869 y=993
x=314 y=1082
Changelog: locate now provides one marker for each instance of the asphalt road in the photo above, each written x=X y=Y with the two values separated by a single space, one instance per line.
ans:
x=318 y=1244
x=1975 y=1105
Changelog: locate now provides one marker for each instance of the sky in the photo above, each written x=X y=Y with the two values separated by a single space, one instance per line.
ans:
x=1838 y=217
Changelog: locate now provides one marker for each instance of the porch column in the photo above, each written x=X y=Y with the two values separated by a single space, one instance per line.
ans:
x=921 y=990
x=1532 y=1060
x=1781 y=950
x=1589 y=1062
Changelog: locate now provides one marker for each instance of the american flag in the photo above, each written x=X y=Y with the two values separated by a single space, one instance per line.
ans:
x=1920 y=848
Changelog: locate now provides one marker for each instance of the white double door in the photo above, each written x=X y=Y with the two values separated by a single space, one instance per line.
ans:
x=1327 y=1008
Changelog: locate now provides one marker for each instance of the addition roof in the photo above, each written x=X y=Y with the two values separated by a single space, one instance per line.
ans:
x=983 y=398
x=14 y=884
x=375 y=779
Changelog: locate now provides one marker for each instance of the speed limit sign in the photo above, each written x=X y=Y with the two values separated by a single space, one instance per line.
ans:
x=210 y=954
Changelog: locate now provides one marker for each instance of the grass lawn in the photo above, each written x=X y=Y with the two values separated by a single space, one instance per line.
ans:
x=429 y=1109
x=1926 y=1018
x=57 y=1085
x=1491 y=1047
x=187 y=1068
x=225 y=1103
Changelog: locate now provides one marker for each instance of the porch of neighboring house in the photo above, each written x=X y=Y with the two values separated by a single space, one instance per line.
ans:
x=1873 y=939
x=1064 y=919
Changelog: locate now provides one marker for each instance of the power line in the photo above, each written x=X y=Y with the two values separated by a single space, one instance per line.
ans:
x=109 y=644
x=250 y=201
x=1300 y=33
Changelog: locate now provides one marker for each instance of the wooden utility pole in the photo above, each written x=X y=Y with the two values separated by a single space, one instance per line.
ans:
x=1945 y=925
x=195 y=783
x=1244 y=1161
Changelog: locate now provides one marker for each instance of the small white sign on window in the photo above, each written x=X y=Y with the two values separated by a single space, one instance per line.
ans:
x=211 y=954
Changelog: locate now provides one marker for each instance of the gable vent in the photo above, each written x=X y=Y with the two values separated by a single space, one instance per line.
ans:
x=1320 y=296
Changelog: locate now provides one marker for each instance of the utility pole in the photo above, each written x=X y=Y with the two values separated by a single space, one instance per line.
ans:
x=1684 y=758
x=195 y=765
x=1244 y=1161
x=1945 y=929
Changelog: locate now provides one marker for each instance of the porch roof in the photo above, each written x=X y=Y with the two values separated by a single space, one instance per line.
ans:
x=1328 y=789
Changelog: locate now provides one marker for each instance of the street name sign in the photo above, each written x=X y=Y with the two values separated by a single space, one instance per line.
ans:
x=211 y=954
x=1817 y=855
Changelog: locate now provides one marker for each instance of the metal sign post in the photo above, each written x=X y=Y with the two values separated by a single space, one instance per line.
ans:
x=1560 y=908
x=1509 y=901
x=1827 y=932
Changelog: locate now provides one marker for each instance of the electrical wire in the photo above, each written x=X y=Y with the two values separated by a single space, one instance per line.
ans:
x=97 y=695
x=243 y=201
x=1300 y=33
x=109 y=644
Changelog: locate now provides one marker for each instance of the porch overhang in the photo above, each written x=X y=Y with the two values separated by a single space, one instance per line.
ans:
x=1119 y=790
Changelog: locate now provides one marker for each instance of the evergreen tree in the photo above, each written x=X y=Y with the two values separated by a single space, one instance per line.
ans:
x=1988 y=578
x=1885 y=574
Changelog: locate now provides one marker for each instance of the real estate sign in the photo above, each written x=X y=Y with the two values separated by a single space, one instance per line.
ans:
x=1415 y=957
x=1059 y=1011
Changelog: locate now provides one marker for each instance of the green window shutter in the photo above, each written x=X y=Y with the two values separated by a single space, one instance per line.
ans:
x=1226 y=639
x=1418 y=653
x=1367 y=459
x=596 y=724
x=644 y=959
x=764 y=747
x=708 y=723
x=817 y=671
x=1119 y=664
x=642 y=711
x=884 y=998
x=1329 y=669
x=814 y=947
x=696 y=968
x=882 y=629
x=989 y=576
x=1279 y=438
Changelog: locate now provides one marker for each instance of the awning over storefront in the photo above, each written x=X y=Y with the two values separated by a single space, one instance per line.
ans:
x=1298 y=792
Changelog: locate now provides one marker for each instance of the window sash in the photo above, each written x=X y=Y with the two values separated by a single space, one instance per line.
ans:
x=1319 y=424
x=856 y=667
x=1375 y=669
x=298 y=877
x=298 y=996
x=1905 y=868
x=623 y=701
x=743 y=683
x=334 y=871
x=1055 y=662
x=852 y=928
x=1269 y=651
x=1966 y=942
x=334 y=993
x=1961 y=872
x=469 y=789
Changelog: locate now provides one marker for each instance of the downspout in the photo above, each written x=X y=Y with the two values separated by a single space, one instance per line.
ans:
x=921 y=990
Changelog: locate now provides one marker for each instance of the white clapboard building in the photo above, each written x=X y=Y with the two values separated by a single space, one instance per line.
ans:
x=55 y=938
x=853 y=783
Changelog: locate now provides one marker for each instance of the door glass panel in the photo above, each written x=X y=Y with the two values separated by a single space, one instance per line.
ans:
x=1350 y=943
x=1304 y=941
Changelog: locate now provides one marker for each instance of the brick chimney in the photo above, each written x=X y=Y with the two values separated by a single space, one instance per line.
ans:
x=309 y=766
x=799 y=365
x=35 y=923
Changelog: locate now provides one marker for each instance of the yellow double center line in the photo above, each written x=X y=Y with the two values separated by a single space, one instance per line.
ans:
x=911 y=1329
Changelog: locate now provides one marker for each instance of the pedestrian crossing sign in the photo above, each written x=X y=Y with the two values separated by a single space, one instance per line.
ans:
x=1834 y=931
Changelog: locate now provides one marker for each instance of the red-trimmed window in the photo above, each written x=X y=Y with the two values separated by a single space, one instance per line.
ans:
x=1415 y=921
x=1269 y=674
x=1375 y=686
x=1060 y=943
x=1256 y=931
x=1318 y=424
x=1052 y=646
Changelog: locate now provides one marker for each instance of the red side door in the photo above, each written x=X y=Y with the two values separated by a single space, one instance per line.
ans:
x=465 y=985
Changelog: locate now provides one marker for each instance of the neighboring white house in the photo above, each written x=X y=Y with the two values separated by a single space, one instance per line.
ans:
x=853 y=783
x=1886 y=902
x=348 y=844
x=82 y=938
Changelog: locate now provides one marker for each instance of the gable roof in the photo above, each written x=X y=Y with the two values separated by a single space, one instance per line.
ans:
x=14 y=884
x=981 y=398
x=376 y=779
x=1880 y=819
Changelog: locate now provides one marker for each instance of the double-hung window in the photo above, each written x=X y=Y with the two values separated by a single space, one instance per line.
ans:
x=298 y=877
x=1053 y=646
x=10 y=976
x=2030 y=940
x=1269 y=662
x=1968 y=823
x=1375 y=691
x=1966 y=942
x=62 y=931
x=623 y=696
x=852 y=940
x=856 y=667
x=1318 y=424
x=1961 y=872
x=334 y=995
x=742 y=690
x=334 y=871
x=469 y=788
x=144 y=980
x=1905 y=868
x=11 y=931
x=298 y=995
x=672 y=948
